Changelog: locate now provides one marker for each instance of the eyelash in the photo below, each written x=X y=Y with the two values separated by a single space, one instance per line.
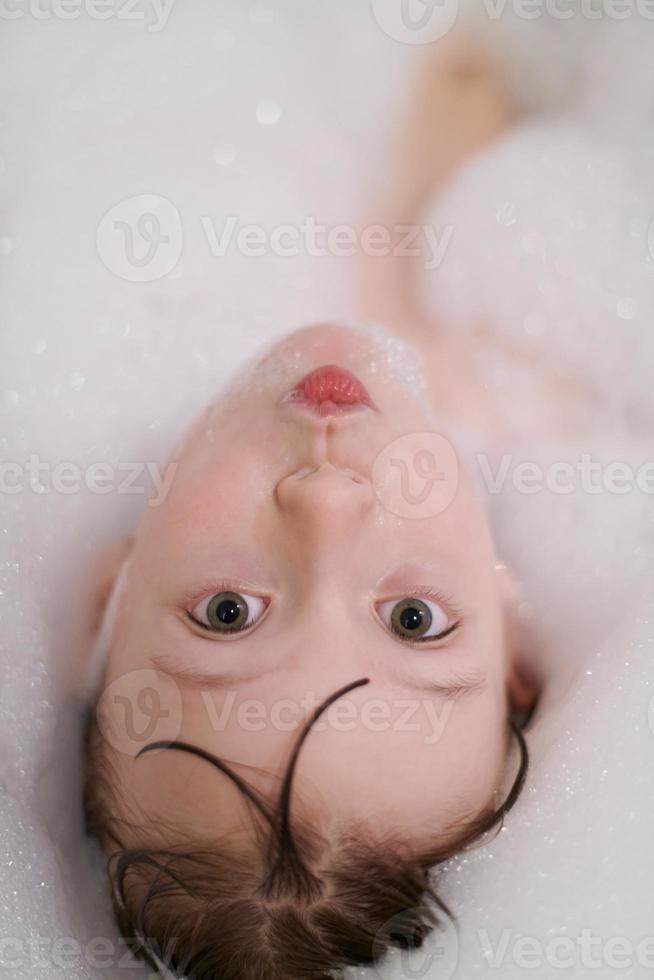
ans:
x=428 y=640
x=426 y=592
x=212 y=588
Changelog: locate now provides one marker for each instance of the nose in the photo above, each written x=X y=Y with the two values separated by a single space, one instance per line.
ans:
x=325 y=500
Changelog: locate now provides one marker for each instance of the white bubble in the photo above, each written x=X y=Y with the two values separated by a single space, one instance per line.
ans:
x=650 y=239
x=506 y=214
x=269 y=113
x=627 y=308
x=11 y=396
x=224 y=153
x=650 y=714
x=6 y=246
x=77 y=380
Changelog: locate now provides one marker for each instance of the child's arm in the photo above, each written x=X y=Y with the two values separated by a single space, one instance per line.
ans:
x=458 y=105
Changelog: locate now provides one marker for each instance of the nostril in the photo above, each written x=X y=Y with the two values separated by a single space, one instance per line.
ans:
x=305 y=471
x=323 y=495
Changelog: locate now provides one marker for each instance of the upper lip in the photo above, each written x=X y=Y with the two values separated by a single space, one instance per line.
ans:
x=330 y=390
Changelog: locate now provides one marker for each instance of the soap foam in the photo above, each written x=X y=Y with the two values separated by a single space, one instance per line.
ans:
x=98 y=368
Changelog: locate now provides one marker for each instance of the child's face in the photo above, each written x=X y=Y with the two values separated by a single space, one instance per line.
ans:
x=274 y=511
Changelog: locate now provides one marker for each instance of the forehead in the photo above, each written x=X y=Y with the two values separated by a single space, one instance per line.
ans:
x=434 y=764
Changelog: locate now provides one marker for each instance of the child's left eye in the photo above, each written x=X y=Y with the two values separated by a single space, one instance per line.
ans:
x=416 y=618
x=228 y=612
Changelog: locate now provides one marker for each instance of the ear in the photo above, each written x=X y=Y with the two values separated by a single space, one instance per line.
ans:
x=523 y=683
x=524 y=688
x=104 y=572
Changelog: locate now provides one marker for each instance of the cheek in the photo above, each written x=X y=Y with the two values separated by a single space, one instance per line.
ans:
x=468 y=524
x=225 y=493
x=447 y=511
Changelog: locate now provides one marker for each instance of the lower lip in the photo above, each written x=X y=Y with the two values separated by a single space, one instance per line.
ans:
x=331 y=390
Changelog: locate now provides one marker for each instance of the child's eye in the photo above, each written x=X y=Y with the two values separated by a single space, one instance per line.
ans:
x=228 y=612
x=416 y=618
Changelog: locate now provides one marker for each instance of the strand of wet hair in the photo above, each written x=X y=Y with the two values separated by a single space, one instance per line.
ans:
x=289 y=875
x=243 y=787
x=288 y=868
x=519 y=782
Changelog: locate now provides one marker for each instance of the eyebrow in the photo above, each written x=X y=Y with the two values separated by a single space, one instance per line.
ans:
x=199 y=678
x=458 y=685
x=461 y=684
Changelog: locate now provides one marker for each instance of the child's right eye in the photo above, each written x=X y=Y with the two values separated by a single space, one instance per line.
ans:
x=228 y=612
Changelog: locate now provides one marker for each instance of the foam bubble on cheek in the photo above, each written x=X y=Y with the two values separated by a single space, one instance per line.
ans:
x=396 y=361
x=274 y=372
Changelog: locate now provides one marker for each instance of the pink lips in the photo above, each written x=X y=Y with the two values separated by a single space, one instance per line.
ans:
x=331 y=390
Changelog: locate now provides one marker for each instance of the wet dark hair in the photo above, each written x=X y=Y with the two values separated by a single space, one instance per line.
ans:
x=294 y=908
